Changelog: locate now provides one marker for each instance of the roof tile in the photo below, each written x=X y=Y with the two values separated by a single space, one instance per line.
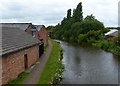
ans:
x=14 y=39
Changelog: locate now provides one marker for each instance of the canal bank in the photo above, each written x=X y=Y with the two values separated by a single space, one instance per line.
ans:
x=53 y=69
x=88 y=65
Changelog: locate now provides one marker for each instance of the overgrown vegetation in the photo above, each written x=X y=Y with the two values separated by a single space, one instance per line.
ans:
x=19 y=80
x=108 y=46
x=84 y=31
x=46 y=46
x=53 y=68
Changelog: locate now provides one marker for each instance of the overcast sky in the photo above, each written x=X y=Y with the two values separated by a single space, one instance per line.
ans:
x=51 y=12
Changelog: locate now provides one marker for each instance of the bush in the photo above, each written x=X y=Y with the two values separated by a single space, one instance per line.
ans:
x=90 y=38
x=108 y=46
x=117 y=40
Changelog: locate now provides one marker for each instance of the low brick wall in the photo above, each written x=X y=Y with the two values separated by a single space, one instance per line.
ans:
x=13 y=64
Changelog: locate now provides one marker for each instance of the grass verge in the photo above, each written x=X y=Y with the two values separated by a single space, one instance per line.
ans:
x=18 y=81
x=52 y=66
x=46 y=46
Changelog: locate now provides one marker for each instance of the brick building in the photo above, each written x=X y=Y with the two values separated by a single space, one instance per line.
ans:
x=42 y=33
x=19 y=51
x=27 y=27
x=37 y=31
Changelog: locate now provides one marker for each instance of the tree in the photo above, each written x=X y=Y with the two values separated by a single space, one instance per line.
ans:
x=77 y=13
x=89 y=17
x=50 y=28
x=76 y=29
x=64 y=21
x=73 y=12
x=69 y=14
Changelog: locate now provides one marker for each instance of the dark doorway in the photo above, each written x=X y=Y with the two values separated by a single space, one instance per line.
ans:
x=25 y=61
x=41 y=49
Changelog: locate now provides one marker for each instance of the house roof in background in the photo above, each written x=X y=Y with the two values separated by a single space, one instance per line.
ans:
x=38 y=27
x=14 y=39
x=112 y=32
x=22 y=26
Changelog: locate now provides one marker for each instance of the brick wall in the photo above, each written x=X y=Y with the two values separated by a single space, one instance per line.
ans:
x=13 y=64
x=42 y=34
x=28 y=30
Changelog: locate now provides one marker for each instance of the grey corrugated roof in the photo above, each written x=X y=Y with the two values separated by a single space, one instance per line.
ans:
x=38 y=27
x=112 y=32
x=14 y=39
x=22 y=26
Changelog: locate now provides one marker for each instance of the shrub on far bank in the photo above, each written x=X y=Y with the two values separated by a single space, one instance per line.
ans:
x=108 y=46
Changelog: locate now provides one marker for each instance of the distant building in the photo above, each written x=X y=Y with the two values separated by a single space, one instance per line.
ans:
x=111 y=34
x=19 y=51
x=49 y=31
x=42 y=33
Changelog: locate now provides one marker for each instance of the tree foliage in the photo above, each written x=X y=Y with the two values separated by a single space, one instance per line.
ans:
x=73 y=27
x=69 y=14
x=88 y=30
x=117 y=40
x=78 y=14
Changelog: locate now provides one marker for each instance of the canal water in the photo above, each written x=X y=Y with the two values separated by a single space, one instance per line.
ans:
x=88 y=65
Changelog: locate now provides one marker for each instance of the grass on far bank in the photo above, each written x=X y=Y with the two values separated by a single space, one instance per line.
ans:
x=52 y=65
x=18 y=81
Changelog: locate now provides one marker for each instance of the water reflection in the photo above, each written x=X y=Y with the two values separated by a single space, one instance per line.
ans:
x=88 y=65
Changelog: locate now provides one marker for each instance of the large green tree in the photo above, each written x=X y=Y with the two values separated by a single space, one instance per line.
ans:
x=77 y=13
x=73 y=25
x=69 y=14
x=89 y=18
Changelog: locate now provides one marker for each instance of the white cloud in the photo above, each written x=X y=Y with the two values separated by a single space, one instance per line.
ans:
x=104 y=10
x=119 y=14
x=50 y=12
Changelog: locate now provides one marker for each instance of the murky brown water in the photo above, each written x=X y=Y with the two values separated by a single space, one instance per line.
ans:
x=88 y=65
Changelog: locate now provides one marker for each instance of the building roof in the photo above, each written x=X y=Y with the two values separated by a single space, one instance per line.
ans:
x=14 y=39
x=112 y=32
x=38 y=27
x=22 y=26
x=49 y=30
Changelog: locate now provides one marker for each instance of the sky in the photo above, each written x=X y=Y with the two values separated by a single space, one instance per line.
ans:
x=51 y=12
x=119 y=14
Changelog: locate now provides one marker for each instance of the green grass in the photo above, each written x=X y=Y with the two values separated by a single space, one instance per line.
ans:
x=46 y=46
x=19 y=80
x=52 y=66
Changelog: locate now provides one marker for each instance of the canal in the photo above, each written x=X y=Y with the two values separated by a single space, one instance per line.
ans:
x=88 y=65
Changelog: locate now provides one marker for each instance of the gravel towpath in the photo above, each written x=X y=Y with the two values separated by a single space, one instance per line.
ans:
x=36 y=70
